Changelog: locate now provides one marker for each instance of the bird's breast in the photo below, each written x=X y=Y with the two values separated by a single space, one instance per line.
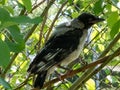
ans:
x=75 y=54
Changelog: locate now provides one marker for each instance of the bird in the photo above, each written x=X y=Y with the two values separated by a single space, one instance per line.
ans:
x=64 y=46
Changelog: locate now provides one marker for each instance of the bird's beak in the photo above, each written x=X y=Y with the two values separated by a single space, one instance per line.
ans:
x=97 y=20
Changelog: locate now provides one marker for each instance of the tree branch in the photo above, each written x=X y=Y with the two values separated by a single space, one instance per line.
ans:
x=106 y=61
x=90 y=71
x=74 y=72
x=37 y=5
x=56 y=17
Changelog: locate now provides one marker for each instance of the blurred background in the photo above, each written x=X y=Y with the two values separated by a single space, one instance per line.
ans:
x=25 y=25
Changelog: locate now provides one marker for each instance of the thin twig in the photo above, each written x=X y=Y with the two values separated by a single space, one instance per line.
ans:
x=37 y=5
x=41 y=31
x=47 y=8
x=23 y=83
x=56 y=17
x=112 y=43
x=34 y=7
x=45 y=12
x=91 y=2
x=95 y=37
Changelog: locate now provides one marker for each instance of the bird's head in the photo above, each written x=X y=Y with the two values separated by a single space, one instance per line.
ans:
x=88 y=19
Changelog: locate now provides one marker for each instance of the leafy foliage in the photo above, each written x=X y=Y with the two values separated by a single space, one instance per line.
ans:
x=5 y=84
x=25 y=25
x=27 y=4
x=17 y=44
x=4 y=56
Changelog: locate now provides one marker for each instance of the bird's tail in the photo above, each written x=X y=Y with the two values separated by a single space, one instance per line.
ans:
x=40 y=79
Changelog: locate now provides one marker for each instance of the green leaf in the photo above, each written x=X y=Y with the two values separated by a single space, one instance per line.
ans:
x=6 y=20
x=15 y=33
x=5 y=84
x=98 y=7
x=27 y=4
x=75 y=14
x=18 y=45
x=25 y=19
x=7 y=24
x=3 y=2
x=9 y=9
x=112 y=18
x=115 y=29
x=4 y=54
x=107 y=71
x=4 y=15
x=108 y=7
x=15 y=47
x=10 y=21
x=70 y=1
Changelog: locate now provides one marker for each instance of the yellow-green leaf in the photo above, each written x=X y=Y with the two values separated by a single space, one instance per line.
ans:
x=90 y=84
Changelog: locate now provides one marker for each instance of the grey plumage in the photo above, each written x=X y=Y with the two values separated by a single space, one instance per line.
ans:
x=64 y=46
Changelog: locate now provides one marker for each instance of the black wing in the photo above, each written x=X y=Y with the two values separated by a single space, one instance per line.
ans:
x=55 y=50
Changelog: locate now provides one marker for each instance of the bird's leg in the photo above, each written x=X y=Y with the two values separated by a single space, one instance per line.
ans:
x=65 y=68
x=81 y=60
x=58 y=75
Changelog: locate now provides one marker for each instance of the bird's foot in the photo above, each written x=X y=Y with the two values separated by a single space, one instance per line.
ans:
x=65 y=68
x=82 y=61
x=58 y=75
